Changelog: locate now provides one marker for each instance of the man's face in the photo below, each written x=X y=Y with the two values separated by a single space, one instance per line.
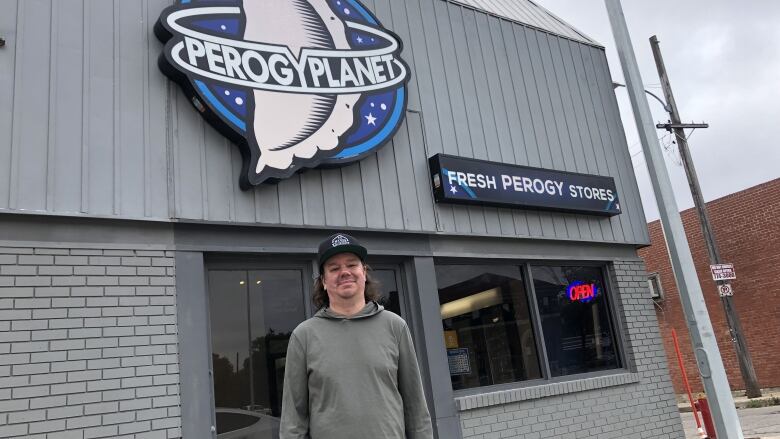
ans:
x=344 y=277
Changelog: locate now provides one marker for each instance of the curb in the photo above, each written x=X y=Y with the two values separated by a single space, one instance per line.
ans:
x=739 y=404
x=684 y=408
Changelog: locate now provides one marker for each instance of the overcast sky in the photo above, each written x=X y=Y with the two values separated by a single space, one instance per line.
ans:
x=723 y=61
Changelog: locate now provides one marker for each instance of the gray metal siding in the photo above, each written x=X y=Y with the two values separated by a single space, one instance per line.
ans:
x=82 y=109
x=89 y=126
x=8 y=26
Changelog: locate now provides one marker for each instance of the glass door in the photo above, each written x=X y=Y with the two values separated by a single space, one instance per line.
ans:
x=391 y=287
x=252 y=314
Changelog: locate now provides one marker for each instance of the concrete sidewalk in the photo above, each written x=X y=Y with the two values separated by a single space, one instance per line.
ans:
x=757 y=423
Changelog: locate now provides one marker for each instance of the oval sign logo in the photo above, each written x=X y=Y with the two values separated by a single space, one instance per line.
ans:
x=295 y=83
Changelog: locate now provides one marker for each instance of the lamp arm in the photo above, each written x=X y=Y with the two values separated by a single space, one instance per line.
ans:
x=666 y=107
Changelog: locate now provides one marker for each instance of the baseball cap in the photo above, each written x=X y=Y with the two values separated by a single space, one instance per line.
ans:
x=339 y=243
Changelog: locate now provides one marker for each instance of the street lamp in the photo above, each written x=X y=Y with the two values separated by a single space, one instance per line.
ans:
x=708 y=357
x=668 y=109
x=615 y=85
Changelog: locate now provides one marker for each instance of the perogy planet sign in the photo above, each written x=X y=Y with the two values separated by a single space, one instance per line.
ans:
x=296 y=84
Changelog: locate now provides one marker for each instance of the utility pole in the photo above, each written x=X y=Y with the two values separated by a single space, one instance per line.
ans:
x=705 y=345
x=752 y=388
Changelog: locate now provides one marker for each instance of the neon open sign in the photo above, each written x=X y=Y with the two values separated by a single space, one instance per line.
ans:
x=582 y=292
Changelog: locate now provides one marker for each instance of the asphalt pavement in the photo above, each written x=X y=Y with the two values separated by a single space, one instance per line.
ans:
x=756 y=423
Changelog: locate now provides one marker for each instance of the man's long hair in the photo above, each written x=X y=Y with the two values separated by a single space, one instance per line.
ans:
x=372 y=291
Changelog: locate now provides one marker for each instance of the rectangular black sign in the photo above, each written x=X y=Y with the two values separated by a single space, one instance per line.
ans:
x=468 y=181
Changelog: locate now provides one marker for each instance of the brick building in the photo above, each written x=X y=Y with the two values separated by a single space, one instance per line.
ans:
x=747 y=230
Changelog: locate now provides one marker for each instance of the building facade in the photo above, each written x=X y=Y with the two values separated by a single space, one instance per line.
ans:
x=746 y=229
x=151 y=270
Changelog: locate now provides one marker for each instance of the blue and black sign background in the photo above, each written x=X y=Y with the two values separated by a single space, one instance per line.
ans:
x=460 y=180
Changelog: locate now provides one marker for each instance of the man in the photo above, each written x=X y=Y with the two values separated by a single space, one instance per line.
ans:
x=351 y=370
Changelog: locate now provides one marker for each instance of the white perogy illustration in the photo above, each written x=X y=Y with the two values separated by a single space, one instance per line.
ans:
x=286 y=79
x=289 y=125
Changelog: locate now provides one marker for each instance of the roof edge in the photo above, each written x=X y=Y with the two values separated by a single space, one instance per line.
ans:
x=567 y=24
x=584 y=38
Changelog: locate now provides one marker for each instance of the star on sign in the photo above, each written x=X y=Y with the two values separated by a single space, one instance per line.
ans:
x=359 y=39
x=371 y=119
x=453 y=190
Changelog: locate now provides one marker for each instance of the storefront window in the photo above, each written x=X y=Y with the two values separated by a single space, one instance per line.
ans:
x=252 y=315
x=575 y=320
x=487 y=326
x=389 y=288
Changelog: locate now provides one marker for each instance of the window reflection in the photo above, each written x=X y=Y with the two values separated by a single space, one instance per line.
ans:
x=389 y=289
x=487 y=325
x=229 y=338
x=253 y=314
x=575 y=319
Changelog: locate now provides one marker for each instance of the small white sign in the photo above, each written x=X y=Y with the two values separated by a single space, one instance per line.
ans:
x=725 y=290
x=723 y=272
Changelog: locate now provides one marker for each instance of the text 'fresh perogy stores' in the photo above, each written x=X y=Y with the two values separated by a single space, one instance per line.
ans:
x=529 y=185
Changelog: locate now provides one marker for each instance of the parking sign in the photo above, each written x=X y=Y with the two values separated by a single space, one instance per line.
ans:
x=723 y=272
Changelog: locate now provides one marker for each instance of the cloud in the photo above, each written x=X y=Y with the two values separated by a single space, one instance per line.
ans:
x=723 y=62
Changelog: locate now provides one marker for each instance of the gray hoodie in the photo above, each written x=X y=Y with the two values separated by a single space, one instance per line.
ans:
x=353 y=377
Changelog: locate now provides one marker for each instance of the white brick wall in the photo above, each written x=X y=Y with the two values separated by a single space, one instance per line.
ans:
x=633 y=405
x=88 y=344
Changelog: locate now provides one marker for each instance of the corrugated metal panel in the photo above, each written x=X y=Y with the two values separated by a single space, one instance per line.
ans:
x=88 y=125
x=8 y=30
x=82 y=109
x=529 y=13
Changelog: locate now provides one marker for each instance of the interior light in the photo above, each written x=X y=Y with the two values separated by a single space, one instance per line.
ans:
x=474 y=302
x=241 y=282
x=259 y=282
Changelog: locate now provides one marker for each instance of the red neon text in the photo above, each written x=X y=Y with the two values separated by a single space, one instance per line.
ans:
x=582 y=292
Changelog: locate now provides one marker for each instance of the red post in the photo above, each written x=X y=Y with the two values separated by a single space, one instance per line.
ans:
x=705 y=414
x=685 y=379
